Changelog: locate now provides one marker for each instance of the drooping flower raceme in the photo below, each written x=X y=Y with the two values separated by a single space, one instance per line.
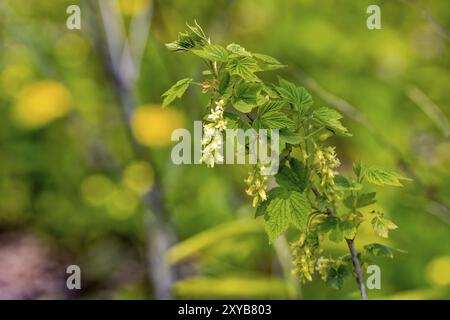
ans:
x=257 y=185
x=325 y=163
x=212 y=136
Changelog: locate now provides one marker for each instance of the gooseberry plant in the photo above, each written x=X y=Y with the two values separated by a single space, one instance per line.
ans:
x=310 y=194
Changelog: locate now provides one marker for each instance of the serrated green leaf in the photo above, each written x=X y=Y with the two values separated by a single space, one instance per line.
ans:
x=362 y=200
x=380 y=176
x=270 y=116
x=266 y=58
x=245 y=96
x=382 y=225
x=379 y=250
x=235 y=122
x=212 y=52
x=298 y=96
x=288 y=207
x=342 y=183
x=336 y=276
x=366 y=199
x=189 y=39
x=267 y=62
x=244 y=67
x=176 y=91
x=271 y=194
x=237 y=49
x=330 y=119
x=288 y=136
x=338 y=229
x=294 y=178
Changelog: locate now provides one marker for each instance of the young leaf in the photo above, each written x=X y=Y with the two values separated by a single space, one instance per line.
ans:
x=298 y=96
x=176 y=91
x=268 y=62
x=342 y=183
x=286 y=208
x=379 y=250
x=235 y=122
x=271 y=194
x=336 y=276
x=329 y=118
x=288 y=136
x=365 y=199
x=237 y=49
x=189 y=39
x=270 y=116
x=381 y=225
x=244 y=67
x=245 y=96
x=212 y=52
x=380 y=176
x=289 y=179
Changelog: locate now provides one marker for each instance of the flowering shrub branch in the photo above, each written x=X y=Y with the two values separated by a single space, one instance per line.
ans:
x=311 y=196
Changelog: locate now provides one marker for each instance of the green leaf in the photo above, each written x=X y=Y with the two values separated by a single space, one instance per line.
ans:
x=268 y=62
x=336 y=276
x=330 y=119
x=293 y=178
x=288 y=136
x=341 y=183
x=212 y=52
x=237 y=49
x=379 y=250
x=270 y=116
x=235 y=122
x=244 y=67
x=298 y=96
x=288 y=207
x=348 y=229
x=362 y=200
x=338 y=229
x=381 y=225
x=266 y=58
x=366 y=199
x=194 y=36
x=380 y=176
x=271 y=194
x=245 y=96
x=176 y=91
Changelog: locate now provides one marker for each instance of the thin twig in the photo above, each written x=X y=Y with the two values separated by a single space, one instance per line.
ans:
x=357 y=266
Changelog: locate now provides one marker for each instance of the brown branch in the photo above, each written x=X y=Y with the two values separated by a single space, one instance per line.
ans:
x=357 y=266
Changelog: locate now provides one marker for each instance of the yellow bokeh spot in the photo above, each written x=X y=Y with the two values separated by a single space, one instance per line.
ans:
x=153 y=125
x=138 y=177
x=438 y=271
x=96 y=189
x=122 y=203
x=42 y=102
x=133 y=7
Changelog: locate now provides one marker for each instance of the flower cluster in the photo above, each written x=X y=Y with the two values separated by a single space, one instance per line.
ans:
x=212 y=136
x=322 y=267
x=257 y=185
x=325 y=163
x=305 y=252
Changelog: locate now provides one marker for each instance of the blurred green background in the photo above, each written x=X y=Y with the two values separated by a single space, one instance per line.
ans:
x=85 y=170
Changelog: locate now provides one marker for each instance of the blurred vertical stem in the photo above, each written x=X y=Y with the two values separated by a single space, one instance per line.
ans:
x=121 y=58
